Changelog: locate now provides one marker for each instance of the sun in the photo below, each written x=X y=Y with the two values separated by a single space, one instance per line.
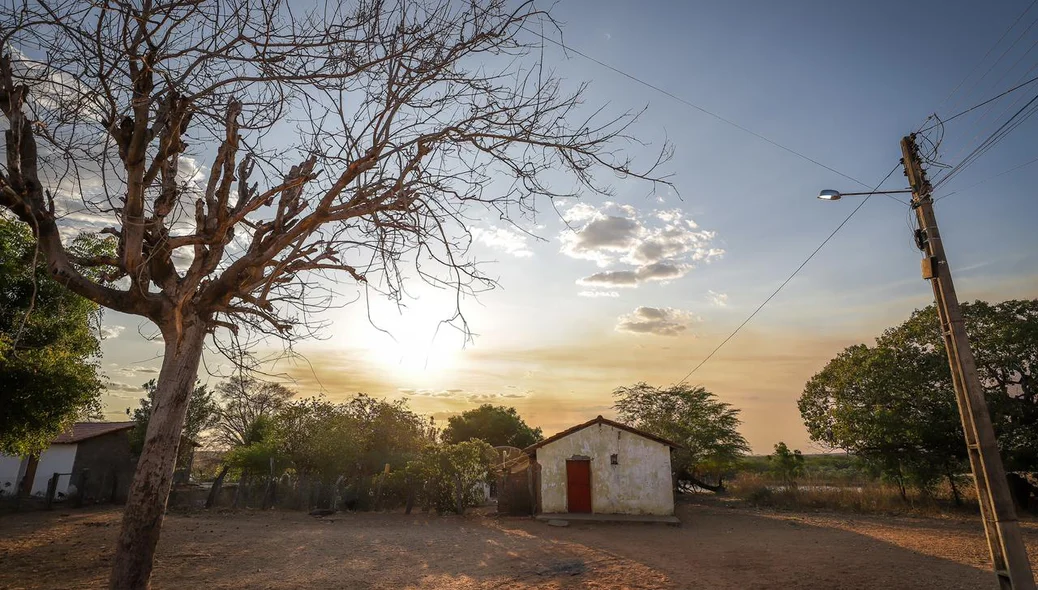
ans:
x=416 y=349
x=413 y=343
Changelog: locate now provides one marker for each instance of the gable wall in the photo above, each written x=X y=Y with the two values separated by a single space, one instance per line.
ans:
x=640 y=484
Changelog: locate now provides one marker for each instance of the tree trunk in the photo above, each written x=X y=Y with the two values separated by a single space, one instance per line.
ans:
x=214 y=492
x=955 y=490
x=146 y=505
x=717 y=489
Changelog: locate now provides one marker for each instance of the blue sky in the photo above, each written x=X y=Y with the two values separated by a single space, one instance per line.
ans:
x=839 y=82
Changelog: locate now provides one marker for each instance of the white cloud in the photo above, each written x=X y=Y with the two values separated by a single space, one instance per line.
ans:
x=718 y=299
x=661 y=246
x=660 y=321
x=595 y=293
x=504 y=239
x=109 y=332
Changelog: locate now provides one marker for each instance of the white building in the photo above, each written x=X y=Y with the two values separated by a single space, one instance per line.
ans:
x=101 y=447
x=604 y=467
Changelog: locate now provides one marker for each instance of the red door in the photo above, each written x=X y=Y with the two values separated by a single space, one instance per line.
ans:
x=578 y=486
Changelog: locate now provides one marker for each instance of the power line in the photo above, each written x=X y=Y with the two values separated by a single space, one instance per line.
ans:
x=978 y=105
x=997 y=136
x=1008 y=49
x=990 y=178
x=963 y=81
x=788 y=279
x=703 y=110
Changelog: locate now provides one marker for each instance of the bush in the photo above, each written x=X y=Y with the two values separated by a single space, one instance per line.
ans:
x=441 y=470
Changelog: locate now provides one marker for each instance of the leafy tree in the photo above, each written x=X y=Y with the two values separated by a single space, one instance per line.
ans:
x=893 y=404
x=48 y=350
x=202 y=411
x=691 y=416
x=243 y=402
x=497 y=425
x=787 y=465
x=387 y=433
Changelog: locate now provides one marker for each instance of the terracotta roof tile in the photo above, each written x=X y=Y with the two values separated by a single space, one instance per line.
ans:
x=81 y=431
x=601 y=420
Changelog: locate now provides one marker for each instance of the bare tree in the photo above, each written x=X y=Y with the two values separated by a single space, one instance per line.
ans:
x=354 y=140
x=243 y=402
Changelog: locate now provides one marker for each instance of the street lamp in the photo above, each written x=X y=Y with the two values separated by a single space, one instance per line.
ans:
x=831 y=195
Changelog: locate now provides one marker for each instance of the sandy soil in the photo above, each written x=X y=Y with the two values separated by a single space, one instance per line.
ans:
x=717 y=547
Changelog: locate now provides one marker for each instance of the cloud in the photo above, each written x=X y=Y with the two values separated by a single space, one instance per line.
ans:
x=113 y=387
x=461 y=395
x=134 y=370
x=502 y=238
x=661 y=321
x=595 y=293
x=718 y=299
x=108 y=332
x=602 y=239
x=612 y=278
x=660 y=246
x=659 y=271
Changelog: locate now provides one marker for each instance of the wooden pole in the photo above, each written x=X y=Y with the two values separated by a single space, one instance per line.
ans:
x=1008 y=552
x=52 y=490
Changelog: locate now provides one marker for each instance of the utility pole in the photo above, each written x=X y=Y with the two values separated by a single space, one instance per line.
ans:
x=1008 y=553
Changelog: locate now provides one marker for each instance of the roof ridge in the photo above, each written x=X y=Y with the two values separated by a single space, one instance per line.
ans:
x=602 y=420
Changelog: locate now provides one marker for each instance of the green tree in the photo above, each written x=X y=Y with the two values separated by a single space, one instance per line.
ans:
x=707 y=429
x=449 y=475
x=787 y=464
x=893 y=404
x=202 y=412
x=496 y=425
x=49 y=348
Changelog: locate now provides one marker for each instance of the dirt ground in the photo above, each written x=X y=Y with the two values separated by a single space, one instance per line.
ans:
x=717 y=547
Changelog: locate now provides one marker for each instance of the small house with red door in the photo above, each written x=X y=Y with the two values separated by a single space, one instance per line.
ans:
x=603 y=467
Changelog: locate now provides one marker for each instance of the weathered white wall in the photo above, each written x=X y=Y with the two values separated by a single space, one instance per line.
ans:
x=56 y=459
x=10 y=473
x=640 y=484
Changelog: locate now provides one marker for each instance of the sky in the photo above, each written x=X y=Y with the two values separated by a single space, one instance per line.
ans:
x=641 y=286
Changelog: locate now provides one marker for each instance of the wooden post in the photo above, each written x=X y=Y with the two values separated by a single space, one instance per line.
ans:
x=530 y=488
x=52 y=490
x=460 y=495
x=113 y=496
x=81 y=484
x=1005 y=542
x=409 y=504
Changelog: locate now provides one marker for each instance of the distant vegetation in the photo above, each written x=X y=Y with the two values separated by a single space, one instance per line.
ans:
x=891 y=408
x=360 y=454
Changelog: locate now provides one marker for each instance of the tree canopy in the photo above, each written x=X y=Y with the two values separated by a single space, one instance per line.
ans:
x=244 y=401
x=496 y=425
x=706 y=428
x=49 y=348
x=893 y=404
x=202 y=412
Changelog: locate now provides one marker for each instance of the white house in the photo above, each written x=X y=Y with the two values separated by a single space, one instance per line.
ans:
x=604 y=467
x=100 y=447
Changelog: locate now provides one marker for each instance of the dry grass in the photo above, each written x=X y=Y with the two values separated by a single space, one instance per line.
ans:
x=859 y=498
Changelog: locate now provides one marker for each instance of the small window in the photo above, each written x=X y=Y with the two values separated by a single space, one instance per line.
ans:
x=614 y=459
